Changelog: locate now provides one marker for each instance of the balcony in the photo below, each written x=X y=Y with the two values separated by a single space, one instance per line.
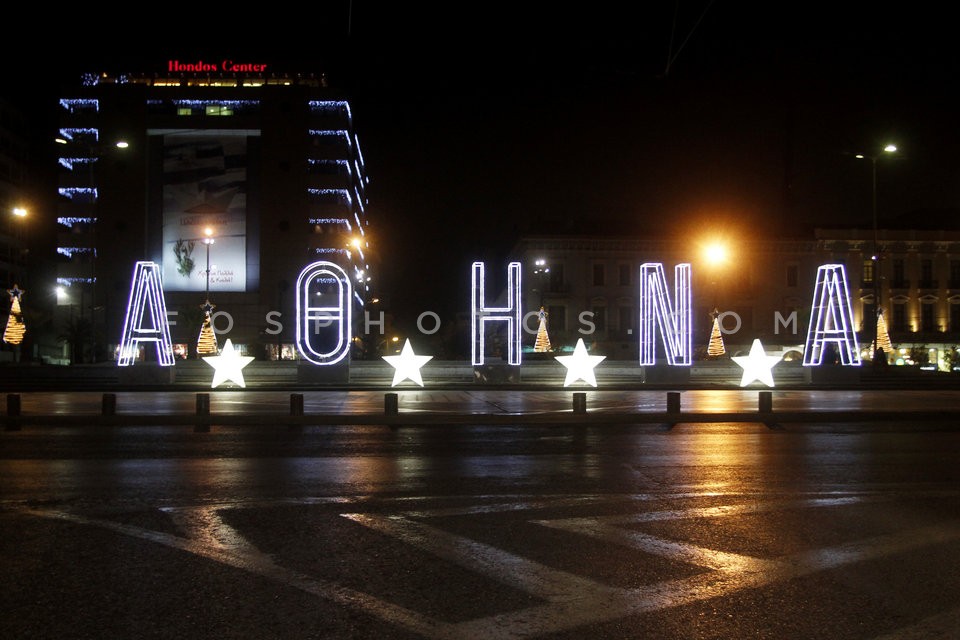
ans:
x=929 y=283
x=899 y=284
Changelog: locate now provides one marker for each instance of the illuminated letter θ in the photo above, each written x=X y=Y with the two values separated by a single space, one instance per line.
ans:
x=656 y=311
x=480 y=314
x=324 y=301
x=831 y=319
x=146 y=319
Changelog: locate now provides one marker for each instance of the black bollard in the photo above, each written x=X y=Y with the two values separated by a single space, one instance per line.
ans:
x=673 y=402
x=296 y=409
x=296 y=404
x=13 y=412
x=580 y=402
x=766 y=402
x=108 y=406
x=203 y=412
x=391 y=404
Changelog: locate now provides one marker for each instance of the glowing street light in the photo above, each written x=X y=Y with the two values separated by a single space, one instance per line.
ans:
x=887 y=149
x=715 y=253
x=207 y=342
x=208 y=240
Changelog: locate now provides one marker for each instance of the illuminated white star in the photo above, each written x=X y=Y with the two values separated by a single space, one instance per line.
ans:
x=407 y=365
x=580 y=365
x=757 y=366
x=228 y=365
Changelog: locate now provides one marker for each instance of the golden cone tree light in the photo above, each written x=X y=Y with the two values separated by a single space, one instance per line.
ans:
x=207 y=342
x=542 y=344
x=13 y=333
x=715 y=347
x=883 y=337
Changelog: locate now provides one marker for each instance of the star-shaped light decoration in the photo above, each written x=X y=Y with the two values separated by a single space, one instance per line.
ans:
x=15 y=293
x=580 y=365
x=228 y=365
x=407 y=365
x=757 y=366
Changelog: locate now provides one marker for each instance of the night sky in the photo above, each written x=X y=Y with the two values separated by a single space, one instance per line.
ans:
x=482 y=122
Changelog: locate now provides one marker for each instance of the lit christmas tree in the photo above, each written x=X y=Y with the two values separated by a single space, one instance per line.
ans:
x=207 y=342
x=543 y=340
x=883 y=337
x=13 y=334
x=715 y=348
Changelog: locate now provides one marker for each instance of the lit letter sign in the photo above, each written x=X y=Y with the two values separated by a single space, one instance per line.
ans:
x=675 y=321
x=146 y=319
x=481 y=314
x=324 y=299
x=831 y=319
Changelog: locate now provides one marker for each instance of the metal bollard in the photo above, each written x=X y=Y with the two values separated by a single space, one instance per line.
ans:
x=766 y=402
x=391 y=404
x=673 y=402
x=580 y=402
x=296 y=409
x=13 y=412
x=296 y=404
x=108 y=406
x=203 y=412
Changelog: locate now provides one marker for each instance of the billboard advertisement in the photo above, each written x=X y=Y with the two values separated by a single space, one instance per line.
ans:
x=205 y=187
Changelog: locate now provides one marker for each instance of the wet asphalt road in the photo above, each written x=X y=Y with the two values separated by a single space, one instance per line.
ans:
x=729 y=530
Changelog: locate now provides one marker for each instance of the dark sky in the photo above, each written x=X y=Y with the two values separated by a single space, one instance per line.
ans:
x=481 y=122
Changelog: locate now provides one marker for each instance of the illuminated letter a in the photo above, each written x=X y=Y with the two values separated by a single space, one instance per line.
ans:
x=146 y=319
x=831 y=319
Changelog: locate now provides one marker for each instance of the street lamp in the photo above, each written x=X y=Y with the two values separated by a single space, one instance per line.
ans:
x=715 y=254
x=208 y=240
x=21 y=248
x=541 y=270
x=207 y=342
x=888 y=149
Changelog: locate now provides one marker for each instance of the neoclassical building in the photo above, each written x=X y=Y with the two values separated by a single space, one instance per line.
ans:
x=763 y=289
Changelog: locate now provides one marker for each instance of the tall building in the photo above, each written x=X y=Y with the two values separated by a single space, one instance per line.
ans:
x=265 y=163
x=13 y=180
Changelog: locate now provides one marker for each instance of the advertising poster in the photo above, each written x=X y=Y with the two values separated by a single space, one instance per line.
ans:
x=204 y=186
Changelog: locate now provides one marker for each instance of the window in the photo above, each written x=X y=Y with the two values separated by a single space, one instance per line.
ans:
x=868 y=271
x=899 y=317
x=600 y=318
x=869 y=316
x=557 y=318
x=955 y=318
x=624 y=270
x=926 y=270
x=598 y=275
x=954 y=274
x=625 y=319
x=556 y=278
x=793 y=275
x=898 y=271
x=926 y=318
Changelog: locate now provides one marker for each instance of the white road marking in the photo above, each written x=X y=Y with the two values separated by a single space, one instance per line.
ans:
x=569 y=601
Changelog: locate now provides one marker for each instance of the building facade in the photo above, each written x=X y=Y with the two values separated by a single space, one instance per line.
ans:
x=265 y=164
x=765 y=289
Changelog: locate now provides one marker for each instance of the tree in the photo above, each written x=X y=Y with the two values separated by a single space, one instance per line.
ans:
x=716 y=348
x=542 y=344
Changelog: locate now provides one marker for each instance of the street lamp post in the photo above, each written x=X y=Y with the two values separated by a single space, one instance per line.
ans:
x=541 y=270
x=208 y=240
x=875 y=257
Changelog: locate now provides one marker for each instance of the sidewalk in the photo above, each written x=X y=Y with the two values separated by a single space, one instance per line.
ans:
x=536 y=375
